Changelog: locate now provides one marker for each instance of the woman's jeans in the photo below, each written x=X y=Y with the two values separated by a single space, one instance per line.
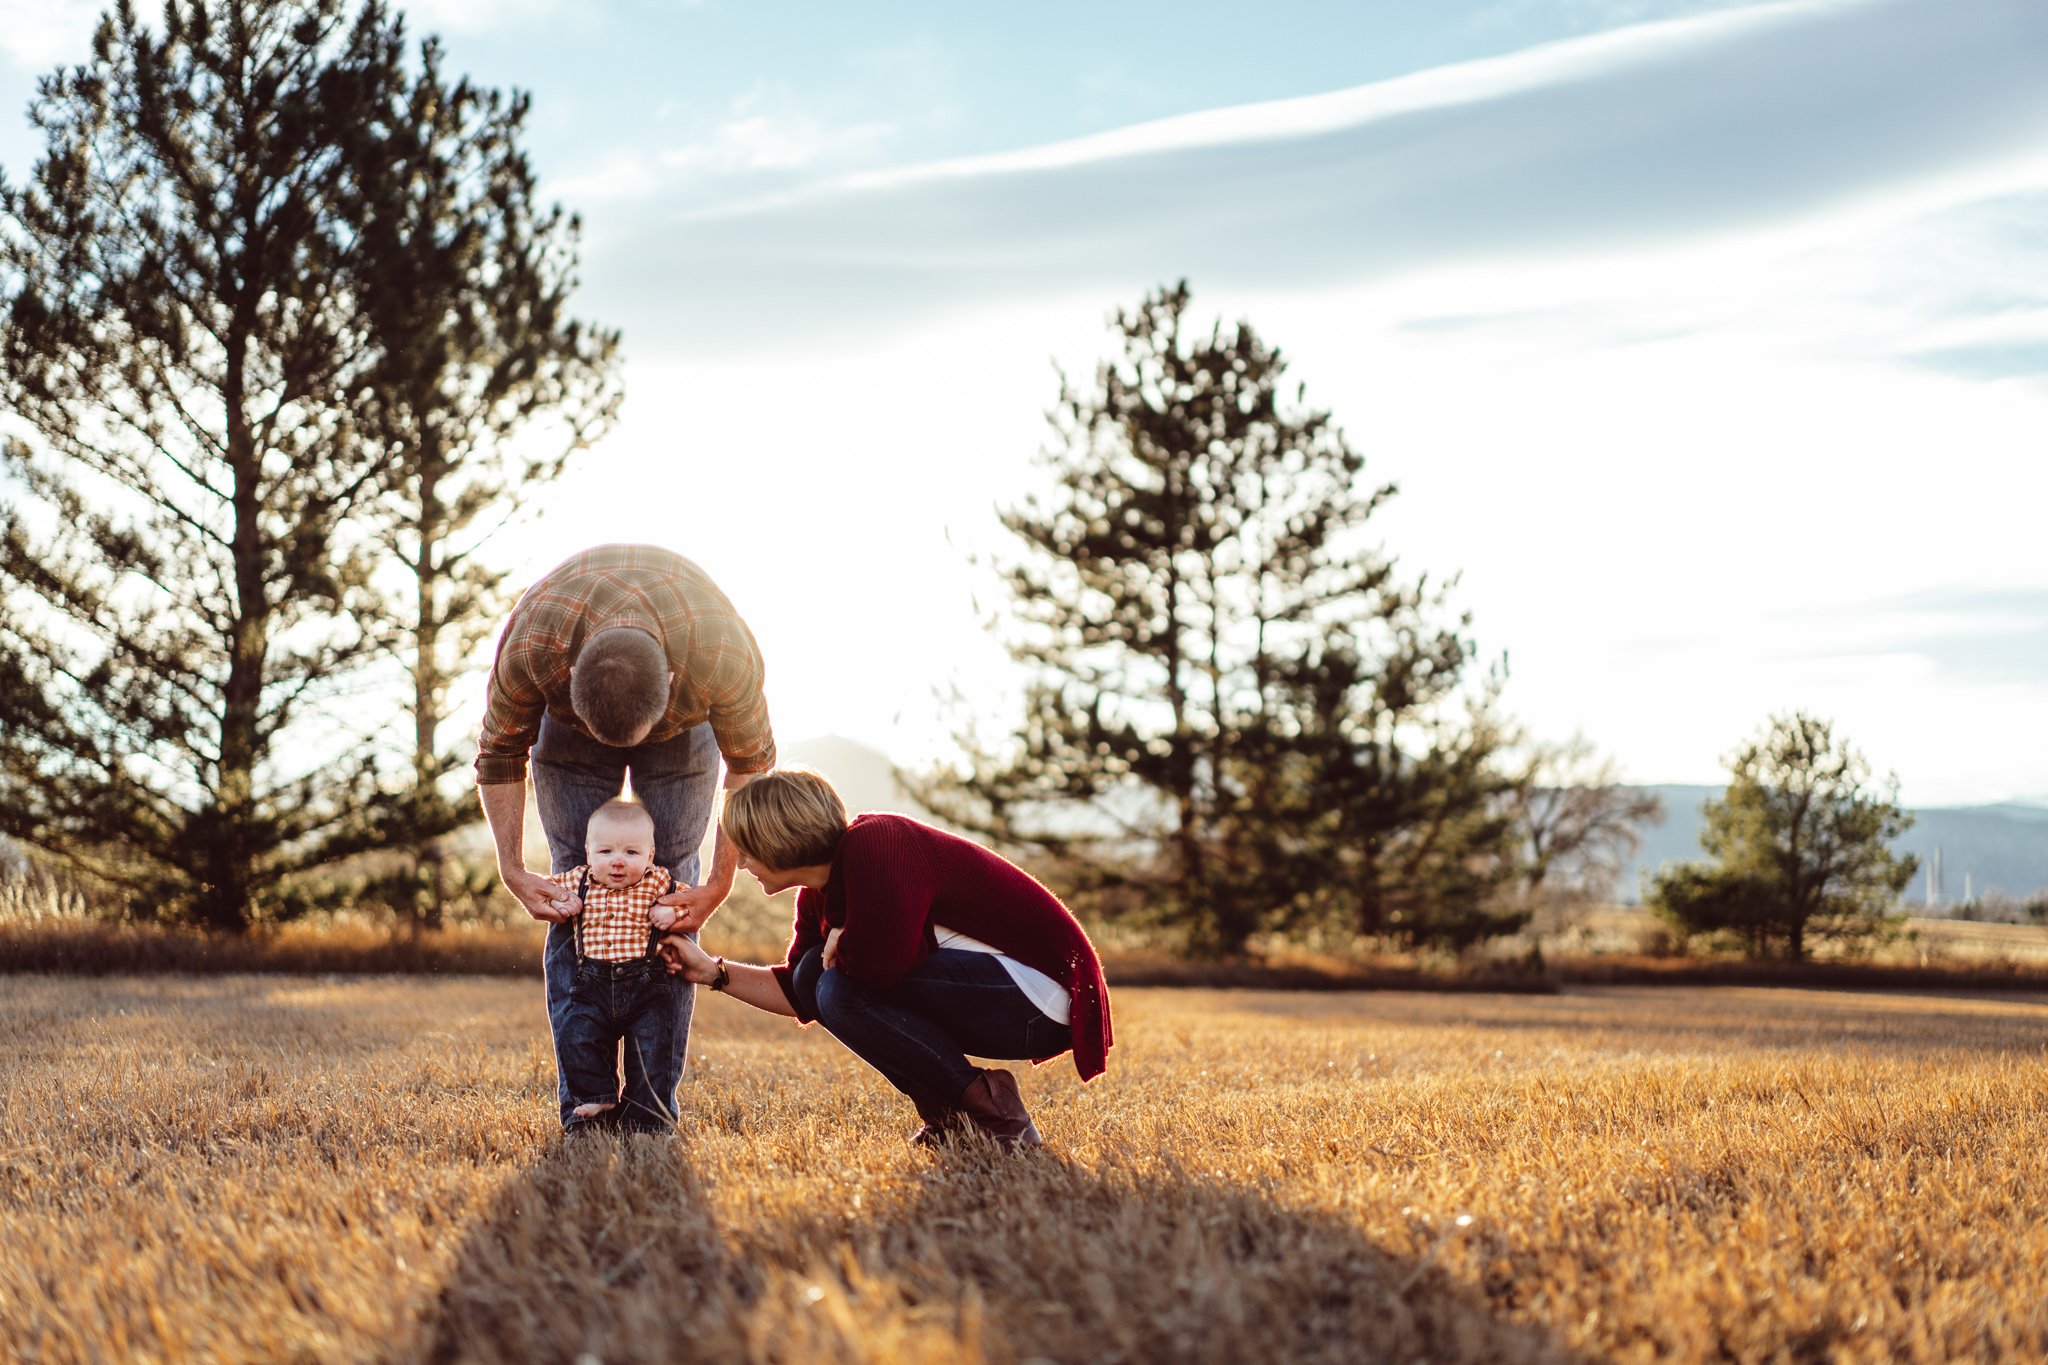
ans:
x=677 y=780
x=919 y=1032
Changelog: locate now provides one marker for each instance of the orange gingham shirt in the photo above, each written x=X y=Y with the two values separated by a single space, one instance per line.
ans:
x=615 y=918
x=718 y=669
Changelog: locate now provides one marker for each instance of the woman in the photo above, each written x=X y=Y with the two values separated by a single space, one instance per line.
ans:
x=913 y=947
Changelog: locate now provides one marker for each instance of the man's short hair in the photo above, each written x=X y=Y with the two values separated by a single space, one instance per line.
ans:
x=788 y=818
x=618 y=685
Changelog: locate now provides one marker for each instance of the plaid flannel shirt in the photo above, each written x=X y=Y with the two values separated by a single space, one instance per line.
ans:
x=615 y=918
x=718 y=667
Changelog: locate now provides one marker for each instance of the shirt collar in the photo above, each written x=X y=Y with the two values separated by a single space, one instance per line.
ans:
x=626 y=620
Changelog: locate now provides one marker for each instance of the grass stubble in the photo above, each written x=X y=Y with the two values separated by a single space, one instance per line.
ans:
x=264 y=1168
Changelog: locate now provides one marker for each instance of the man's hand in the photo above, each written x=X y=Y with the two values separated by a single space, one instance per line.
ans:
x=831 y=954
x=543 y=900
x=504 y=806
x=694 y=904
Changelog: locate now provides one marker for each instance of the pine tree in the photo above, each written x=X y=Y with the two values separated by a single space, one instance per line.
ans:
x=1412 y=808
x=213 y=434
x=466 y=280
x=1799 y=848
x=1239 y=714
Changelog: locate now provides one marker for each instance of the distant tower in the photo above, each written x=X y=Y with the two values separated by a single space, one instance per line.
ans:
x=1934 y=879
x=1968 y=896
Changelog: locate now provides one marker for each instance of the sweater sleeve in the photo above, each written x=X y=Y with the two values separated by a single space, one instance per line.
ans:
x=806 y=931
x=890 y=885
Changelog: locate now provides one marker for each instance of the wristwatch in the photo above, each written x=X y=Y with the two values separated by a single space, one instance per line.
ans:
x=724 y=977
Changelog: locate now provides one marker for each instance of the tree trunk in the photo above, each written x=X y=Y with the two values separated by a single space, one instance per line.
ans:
x=224 y=897
x=428 y=683
x=1372 y=910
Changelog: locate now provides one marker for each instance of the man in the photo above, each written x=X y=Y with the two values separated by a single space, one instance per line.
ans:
x=626 y=661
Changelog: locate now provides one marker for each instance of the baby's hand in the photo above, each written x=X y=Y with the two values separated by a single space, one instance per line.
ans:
x=662 y=916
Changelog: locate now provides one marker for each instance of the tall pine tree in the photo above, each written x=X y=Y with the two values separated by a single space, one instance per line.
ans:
x=214 y=432
x=486 y=386
x=1238 y=710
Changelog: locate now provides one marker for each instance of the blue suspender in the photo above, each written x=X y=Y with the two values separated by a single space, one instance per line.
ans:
x=582 y=894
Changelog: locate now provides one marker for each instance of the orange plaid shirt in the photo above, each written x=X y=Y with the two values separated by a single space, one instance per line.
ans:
x=615 y=918
x=718 y=668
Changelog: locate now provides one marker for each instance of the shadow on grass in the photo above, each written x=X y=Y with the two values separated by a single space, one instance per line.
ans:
x=616 y=1250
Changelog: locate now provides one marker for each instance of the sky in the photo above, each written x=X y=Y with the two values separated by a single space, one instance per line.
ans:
x=1707 y=343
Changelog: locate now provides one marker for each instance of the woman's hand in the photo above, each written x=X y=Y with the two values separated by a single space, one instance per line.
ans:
x=687 y=960
x=831 y=957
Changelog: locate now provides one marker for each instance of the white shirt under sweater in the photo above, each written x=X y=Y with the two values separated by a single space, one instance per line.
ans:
x=1041 y=990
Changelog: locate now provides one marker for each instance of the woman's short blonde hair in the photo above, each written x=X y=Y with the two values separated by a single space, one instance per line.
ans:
x=788 y=818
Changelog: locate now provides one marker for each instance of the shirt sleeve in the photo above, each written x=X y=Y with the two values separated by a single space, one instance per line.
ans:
x=889 y=893
x=513 y=706
x=731 y=676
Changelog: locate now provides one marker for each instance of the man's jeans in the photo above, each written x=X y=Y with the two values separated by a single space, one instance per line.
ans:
x=919 y=1032
x=677 y=780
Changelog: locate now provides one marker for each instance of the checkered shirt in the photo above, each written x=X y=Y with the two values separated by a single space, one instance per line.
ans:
x=615 y=918
x=718 y=668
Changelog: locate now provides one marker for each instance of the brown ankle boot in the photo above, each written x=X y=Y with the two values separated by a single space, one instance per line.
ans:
x=941 y=1121
x=995 y=1107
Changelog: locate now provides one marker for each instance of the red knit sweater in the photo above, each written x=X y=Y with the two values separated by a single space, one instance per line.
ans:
x=893 y=878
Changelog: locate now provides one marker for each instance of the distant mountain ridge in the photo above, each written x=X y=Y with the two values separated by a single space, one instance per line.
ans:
x=1996 y=848
x=2001 y=847
x=864 y=776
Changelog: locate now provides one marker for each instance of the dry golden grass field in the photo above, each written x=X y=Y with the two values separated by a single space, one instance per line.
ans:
x=275 y=1168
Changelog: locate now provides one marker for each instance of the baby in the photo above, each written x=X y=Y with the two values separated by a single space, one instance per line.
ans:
x=622 y=990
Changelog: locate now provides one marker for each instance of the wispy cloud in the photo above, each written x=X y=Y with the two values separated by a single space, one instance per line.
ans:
x=1960 y=290
x=1582 y=16
x=771 y=129
x=1753 y=120
x=470 y=16
x=775 y=136
x=41 y=33
x=1973 y=635
x=768 y=137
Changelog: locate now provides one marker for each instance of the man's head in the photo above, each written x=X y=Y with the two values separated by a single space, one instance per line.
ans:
x=619 y=685
x=783 y=821
x=618 y=845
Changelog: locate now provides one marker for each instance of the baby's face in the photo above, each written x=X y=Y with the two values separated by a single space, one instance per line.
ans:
x=619 y=851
